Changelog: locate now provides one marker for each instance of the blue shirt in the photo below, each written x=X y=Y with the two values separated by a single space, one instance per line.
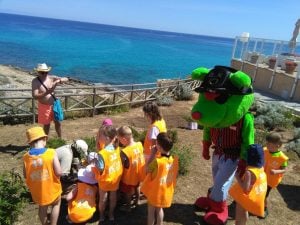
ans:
x=37 y=151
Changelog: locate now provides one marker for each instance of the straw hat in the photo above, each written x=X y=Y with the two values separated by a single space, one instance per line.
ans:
x=35 y=133
x=86 y=175
x=42 y=67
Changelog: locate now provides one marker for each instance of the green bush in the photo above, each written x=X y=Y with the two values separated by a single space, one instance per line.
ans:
x=184 y=154
x=91 y=142
x=173 y=135
x=55 y=142
x=12 y=197
x=164 y=100
x=138 y=136
x=294 y=145
x=184 y=92
x=271 y=116
x=117 y=109
x=260 y=137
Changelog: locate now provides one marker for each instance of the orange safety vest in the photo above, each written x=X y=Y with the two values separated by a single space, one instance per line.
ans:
x=134 y=153
x=161 y=125
x=83 y=206
x=273 y=162
x=160 y=189
x=43 y=184
x=110 y=178
x=254 y=200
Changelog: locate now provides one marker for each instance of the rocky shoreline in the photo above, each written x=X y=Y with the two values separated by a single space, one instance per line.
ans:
x=18 y=78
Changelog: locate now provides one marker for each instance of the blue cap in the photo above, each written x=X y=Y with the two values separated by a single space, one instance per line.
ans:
x=255 y=156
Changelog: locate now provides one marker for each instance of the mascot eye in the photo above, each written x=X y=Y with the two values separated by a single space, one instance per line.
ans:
x=214 y=81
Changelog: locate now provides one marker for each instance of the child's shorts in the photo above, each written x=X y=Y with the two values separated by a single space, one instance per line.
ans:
x=126 y=188
x=45 y=114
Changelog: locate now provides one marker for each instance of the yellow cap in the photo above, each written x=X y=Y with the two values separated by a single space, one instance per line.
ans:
x=35 y=133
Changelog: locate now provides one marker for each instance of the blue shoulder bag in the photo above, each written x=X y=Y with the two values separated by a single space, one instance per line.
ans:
x=58 y=110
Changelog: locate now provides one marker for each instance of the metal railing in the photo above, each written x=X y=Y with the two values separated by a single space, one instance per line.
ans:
x=20 y=103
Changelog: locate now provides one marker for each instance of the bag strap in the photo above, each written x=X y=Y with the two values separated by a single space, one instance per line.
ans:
x=46 y=88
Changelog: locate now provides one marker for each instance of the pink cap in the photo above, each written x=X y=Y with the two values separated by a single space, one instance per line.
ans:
x=107 y=122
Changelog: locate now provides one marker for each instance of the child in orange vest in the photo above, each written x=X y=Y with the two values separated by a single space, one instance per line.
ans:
x=275 y=163
x=82 y=198
x=250 y=190
x=42 y=173
x=133 y=163
x=156 y=126
x=108 y=170
x=106 y=122
x=160 y=182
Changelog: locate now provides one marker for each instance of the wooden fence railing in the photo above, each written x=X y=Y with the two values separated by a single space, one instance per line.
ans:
x=19 y=102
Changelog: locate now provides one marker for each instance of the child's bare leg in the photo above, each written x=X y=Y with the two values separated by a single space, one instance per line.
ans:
x=138 y=194
x=43 y=214
x=151 y=215
x=55 y=212
x=102 y=201
x=241 y=215
x=159 y=216
x=112 y=204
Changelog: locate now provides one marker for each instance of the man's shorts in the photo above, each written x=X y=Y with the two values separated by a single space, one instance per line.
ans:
x=45 y=114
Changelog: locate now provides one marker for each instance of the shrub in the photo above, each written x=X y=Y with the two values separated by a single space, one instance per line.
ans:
x=164 y=100
x=117 y=109
x=184 y=154
x=184 y=92
x=55 y=143
x=12 y=197
x=91 y=142
x=260 y=137
x=173 y=135
x=295 y=144
x=271 y=116
x=138 y=136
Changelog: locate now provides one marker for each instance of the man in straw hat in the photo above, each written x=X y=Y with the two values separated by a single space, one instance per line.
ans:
x=42 y=88
x=42 y=173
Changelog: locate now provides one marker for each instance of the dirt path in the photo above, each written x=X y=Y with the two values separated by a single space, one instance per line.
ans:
x=284 y=202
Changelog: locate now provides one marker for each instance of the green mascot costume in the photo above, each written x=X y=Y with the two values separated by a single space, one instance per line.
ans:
x=225 y=96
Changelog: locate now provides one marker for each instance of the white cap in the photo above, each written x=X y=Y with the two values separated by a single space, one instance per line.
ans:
x=81 y=146
x=86 y=175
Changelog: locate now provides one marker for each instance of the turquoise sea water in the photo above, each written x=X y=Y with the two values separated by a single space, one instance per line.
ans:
x=106 y=54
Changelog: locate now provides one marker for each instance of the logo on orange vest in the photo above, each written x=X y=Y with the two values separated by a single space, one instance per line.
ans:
x=37 y=162
x=39 y=175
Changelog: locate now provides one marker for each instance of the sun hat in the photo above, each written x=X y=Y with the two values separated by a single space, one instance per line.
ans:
x=86 y=175
x=255 y=156
x=35 y=133
x=81 y=146
x=107 y=122
x=42 y=67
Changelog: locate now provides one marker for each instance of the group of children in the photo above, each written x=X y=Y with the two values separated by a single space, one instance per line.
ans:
x=120 y=164
x=264 y=171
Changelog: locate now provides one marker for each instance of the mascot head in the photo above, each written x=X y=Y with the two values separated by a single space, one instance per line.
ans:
x=225 y=96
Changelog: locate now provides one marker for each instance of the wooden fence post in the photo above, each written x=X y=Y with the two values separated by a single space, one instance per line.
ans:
x=94 y=101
